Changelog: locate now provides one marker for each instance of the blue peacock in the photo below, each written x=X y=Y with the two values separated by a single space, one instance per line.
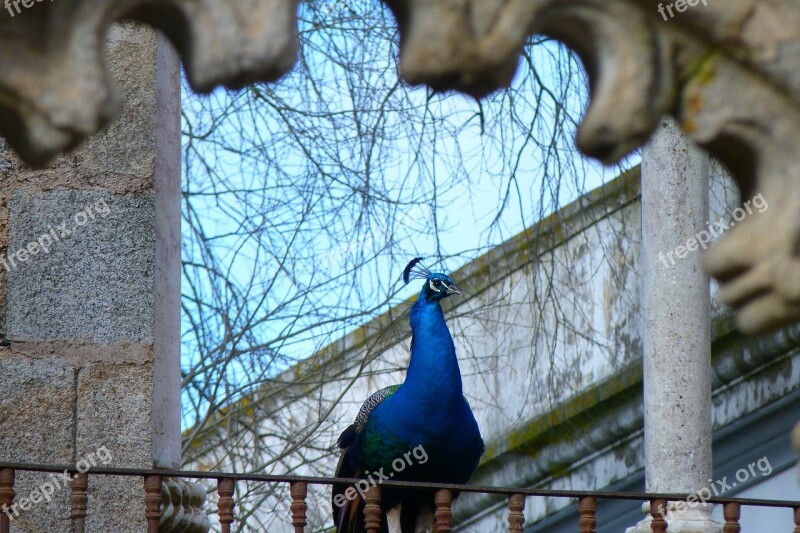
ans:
x=426 y=423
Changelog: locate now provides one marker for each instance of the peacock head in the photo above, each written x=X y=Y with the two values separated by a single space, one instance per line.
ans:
x=437 y=286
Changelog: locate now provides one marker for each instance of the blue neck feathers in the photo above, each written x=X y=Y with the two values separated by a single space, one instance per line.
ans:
x=434 y=367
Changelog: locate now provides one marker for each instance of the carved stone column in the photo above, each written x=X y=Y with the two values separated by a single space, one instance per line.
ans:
x=676 y=322
x=90 y=276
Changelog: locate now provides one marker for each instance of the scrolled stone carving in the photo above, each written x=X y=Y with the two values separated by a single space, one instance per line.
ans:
x=753 y=128
x=730 y=71
x=182 y=507
x=741 y=101
x=55 y=89
x=474 y=45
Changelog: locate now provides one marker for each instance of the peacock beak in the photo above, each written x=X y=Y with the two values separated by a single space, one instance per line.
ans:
x=452 y=289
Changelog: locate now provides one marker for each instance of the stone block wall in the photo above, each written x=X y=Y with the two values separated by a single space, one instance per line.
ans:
x=89 y=299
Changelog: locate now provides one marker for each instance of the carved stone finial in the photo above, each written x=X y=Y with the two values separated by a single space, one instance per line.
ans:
x=55 y=89
x=182 y=507
x=464 y=45
x=474 y=46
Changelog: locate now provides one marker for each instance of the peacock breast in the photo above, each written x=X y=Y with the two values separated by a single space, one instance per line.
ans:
x=444 y=441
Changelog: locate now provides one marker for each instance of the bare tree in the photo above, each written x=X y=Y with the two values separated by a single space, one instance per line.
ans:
x=304 y=199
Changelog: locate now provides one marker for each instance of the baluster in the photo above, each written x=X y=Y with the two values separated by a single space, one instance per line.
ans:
x=299 y=491
x=731 y=513
x=587 y=509
x=78 y=500
x=225 y=490
x=6 y=497
x=516 y=513
x=372 y=509
x=152 y=502
x=443 y=515
x=797 y=520
x=659 y=525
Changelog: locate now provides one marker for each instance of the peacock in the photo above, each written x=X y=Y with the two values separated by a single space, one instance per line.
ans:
x=422 y=430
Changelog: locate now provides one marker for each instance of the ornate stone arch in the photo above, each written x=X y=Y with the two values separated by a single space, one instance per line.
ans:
x=728 y=70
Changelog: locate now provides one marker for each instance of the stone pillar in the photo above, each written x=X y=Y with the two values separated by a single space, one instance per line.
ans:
x=89 y=291
x=676 y=321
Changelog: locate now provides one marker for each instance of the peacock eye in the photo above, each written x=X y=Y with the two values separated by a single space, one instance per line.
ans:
x=437 y=283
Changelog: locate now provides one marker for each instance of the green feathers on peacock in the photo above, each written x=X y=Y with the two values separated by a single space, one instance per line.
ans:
x=422 y=430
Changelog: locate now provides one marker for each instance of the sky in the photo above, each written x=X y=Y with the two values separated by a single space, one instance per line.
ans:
x=474 y=161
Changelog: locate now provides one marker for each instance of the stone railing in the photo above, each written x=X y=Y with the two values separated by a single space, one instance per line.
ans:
x=183 y=507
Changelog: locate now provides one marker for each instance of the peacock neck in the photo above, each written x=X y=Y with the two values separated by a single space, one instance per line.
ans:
x=433 y=369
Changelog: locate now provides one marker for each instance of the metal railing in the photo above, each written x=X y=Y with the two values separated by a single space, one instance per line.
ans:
x=226 y=485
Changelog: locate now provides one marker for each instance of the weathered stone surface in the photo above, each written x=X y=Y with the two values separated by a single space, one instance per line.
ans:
x=114 y=410
x=676 y=314
x=80 y=353
x=728 y=70
x=127 y=145
x=86 y=302
x=37 y=424
x=34 y=513
x=111 y=397
x=55 y=88
x=94 y=283
x=37 y=409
